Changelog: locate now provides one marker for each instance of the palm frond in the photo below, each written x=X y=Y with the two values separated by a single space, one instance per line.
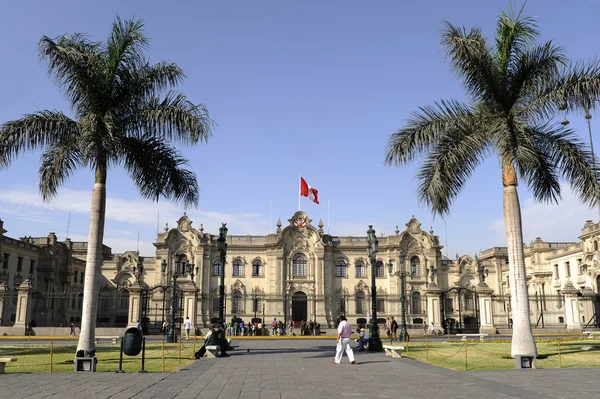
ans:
x=34 y=131
x=449 y=165
x=572 y=159
x=472 y=60
x=76 y=66
x=125 y=46
x=157 y=170
x=175 y=118
x=515 y=33
x=423 y=129
x=59 y=160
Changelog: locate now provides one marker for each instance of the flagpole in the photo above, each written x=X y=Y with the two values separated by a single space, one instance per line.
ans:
x=299 y=189
x=328 y=211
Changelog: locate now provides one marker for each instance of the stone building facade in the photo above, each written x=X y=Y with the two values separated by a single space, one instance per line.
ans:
x=301 y=273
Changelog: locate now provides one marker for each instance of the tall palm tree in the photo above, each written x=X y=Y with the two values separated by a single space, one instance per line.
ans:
x=513 y=88
x=125 y=114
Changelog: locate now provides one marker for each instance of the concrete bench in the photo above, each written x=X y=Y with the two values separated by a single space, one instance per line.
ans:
x=4 y=360
x=592 y=334
x=464 y=336
x=393 y=351
x=114 y=340
x=212 y=351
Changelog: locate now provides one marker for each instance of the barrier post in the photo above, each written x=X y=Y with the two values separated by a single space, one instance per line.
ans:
x=466 y=361
x=51 y=349
x=179 y=357
x=163 y=356
x=559 y=355
x=143 y=354
x=427 y=347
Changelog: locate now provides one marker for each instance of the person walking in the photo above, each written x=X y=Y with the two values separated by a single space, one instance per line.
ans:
x=343 y=342
x=187 y=324
x=291 y=327
x=72 y=332
x=274 y=327
x=394 y=327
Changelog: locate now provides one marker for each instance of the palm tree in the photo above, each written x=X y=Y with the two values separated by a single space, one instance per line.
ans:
x=125 y=114
x=513 y=88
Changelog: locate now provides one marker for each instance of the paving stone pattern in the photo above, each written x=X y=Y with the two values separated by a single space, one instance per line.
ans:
x=303 y=369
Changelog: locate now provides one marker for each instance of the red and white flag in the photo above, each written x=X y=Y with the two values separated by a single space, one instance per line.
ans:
x=308 y=191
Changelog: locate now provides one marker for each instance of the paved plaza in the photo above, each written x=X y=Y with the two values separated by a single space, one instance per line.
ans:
x=303 y=369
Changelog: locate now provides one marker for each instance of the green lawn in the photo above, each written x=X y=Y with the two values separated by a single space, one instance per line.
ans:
x=36 y=358
x=495 y=355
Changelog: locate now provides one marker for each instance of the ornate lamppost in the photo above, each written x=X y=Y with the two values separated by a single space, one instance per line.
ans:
x=375 y=344
x=222 y=247
x=171 y=337
x=403 y=336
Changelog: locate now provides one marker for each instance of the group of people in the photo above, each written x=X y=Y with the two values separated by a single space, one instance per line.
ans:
x=310 y=328
x=237 y=327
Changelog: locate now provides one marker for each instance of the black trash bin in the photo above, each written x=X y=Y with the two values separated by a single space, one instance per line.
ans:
x=132 y=342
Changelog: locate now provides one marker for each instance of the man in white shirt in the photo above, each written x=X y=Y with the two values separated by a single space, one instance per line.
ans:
x=187 y=325
x=343 y=342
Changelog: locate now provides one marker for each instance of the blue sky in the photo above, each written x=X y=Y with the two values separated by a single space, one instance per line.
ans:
x=312 y=87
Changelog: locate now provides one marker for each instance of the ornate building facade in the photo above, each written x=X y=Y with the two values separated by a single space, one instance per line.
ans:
x=300 y=273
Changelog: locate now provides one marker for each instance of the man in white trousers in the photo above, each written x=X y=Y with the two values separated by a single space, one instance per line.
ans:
x=343 y=342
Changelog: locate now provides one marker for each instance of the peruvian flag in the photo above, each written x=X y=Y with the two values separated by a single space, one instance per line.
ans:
x=308 y=191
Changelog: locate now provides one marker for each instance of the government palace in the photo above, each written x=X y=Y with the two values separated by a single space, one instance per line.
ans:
x=299 y=273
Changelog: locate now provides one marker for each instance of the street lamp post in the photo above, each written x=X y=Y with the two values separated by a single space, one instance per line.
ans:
x=172 y=338
x=375 y=344
x=403 y=336
x=222 y=247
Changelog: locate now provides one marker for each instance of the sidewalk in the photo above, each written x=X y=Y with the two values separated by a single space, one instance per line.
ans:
x=303 y=369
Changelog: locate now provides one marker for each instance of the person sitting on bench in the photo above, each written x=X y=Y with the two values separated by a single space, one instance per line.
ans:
x=216 y=336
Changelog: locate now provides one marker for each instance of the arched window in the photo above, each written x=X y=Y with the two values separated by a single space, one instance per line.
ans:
x=217 y=268
x=379 y=272
x=237 y=303
x=361 y=270
x=257 y=268
x=238 y=268
x=415 y=303
x=299 y=265
x=415 y=262
x=360 y=302
x=340 y=268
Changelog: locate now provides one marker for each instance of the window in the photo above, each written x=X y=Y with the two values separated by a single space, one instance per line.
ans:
x=340 y=268
x=415 y=262
x=31 y=266
x=561 y=319
x=6 y=258
x=238 y=268
x=75 y=276
x=19 y=264
x=361 y=270
x=236 y=303
x=379 y=269
x=568 y=269
x=299 y=265
x=81 y=277
x=469 y=301
x=257 y=268
x=256 y=305
x=595 y=245
x=342 y=306
x=215 y=305
x=449 y=304
x=360 y=302
x=556 y=276
x=415 y=303
x=381 y=305
x=217 y=268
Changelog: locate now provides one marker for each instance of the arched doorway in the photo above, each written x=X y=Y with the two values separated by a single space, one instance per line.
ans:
x=299 y=306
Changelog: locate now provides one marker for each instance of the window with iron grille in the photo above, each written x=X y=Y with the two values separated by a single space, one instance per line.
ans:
x=215 y=305
x=361 y=270
x=256 y=305
x=415 y=262
x=238 y=268
x=340 y=269
x=257 y=268
x=31 y=266
x=360 y=302
x=5 y=263
x=299 y=265
x=449 y=303
x=237 y=306
x=381 y=305
x=20 y=264
x=469 y=301
x=415 y=303
x=217 y=268
x=379 y=272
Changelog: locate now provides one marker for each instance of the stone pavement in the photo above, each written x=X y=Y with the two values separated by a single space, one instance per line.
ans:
x=303 y=369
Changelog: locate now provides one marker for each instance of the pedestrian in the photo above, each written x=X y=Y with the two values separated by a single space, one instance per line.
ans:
x=394 y=327
x=302 y=327
x=72 y=332
x=291 y=327
x=424 y=327
x=139 y=326
x=187 y=324
x=343 y=342
x=274 y=327
x=165 y=326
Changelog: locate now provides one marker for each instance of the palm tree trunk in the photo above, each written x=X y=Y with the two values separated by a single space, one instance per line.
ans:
x=93 y=266
x=523 y=342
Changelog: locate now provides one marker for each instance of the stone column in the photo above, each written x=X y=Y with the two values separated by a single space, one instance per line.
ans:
x=3 y=290
x=23 y=305
x=571 y=307
x=486 y=319
x=135 y=305
x=190 y=304
x=588 y=304
x=434 y=309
